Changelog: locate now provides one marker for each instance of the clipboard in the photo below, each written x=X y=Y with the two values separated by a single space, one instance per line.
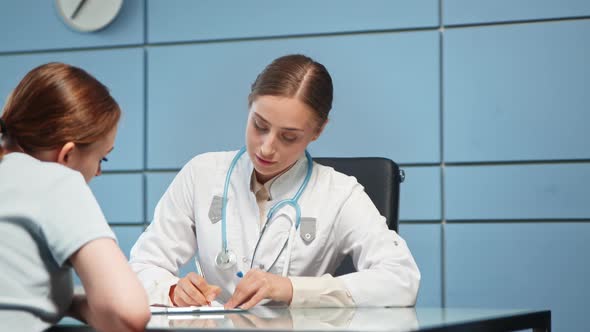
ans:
x=193 y=310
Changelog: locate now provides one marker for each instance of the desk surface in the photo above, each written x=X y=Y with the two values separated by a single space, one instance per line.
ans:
x=351 y=319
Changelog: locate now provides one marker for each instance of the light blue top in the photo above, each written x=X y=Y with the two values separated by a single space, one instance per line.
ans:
x=47 y=213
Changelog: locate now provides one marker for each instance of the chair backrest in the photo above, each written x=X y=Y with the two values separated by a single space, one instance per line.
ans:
x=381 y=178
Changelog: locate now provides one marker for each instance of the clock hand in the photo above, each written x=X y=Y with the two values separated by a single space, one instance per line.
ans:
x=77 y=10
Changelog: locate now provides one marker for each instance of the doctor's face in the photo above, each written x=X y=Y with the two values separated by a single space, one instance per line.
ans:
x=277 y=134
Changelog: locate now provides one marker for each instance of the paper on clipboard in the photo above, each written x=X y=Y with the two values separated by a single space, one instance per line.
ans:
x=215 y=308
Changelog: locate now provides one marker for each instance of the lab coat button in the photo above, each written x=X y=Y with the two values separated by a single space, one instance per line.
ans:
x=307 y=236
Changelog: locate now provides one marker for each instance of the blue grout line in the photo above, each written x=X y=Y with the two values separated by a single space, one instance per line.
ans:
x=145 y=22
x=517 y=22
x=145 y=113
x=126 y=224
x=518 y=221
x=145 y=42
x=145 y=132
x=492 y=221
x=446 y=164
x=144 y=211
x=443 y=295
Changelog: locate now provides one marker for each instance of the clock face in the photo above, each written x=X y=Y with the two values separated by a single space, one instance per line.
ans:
x=88 y=15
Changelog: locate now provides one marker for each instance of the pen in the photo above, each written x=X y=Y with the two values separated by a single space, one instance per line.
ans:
x=202 y=274
x=239 y=274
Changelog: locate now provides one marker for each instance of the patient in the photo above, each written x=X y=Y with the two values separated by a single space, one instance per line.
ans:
x=57 y=126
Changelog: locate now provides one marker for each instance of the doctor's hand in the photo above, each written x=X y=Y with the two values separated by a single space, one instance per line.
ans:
x=193 y=290
x=258 y=285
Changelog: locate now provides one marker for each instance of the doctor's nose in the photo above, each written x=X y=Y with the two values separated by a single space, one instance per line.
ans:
x=267 y=148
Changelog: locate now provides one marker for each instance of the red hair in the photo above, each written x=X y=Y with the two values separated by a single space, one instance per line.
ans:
x=56 y=103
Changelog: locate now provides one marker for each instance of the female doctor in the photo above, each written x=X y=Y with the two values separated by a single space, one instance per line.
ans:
x=266 y=222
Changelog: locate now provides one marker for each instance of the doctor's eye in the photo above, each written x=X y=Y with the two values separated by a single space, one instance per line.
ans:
x=289 y=138
x=258 y=126
x=104 y=159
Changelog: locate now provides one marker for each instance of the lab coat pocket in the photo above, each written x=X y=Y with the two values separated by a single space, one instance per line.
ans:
x=307 y=229
x=310 y=248
x=215 y=209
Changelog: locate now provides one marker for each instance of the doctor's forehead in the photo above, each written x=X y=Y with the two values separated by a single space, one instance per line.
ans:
x=260 y=118
x=285 y=112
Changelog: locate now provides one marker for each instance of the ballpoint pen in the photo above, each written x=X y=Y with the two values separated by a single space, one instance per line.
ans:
x=202 y=274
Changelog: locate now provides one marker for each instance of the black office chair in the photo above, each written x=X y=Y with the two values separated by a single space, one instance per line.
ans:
x=381 y=178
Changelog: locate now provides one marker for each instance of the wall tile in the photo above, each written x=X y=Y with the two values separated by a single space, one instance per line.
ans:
x=549 y=191
x=222 y=19
x=528 y=265
x=420 y=194
x=517 y=92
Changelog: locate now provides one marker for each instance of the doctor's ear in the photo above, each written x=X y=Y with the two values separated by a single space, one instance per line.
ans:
x=319 y=131
x=64 y=155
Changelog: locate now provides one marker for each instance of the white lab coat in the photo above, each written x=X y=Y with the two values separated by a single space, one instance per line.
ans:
x=347 y=222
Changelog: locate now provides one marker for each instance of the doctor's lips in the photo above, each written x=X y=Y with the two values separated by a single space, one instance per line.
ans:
x=264 y=161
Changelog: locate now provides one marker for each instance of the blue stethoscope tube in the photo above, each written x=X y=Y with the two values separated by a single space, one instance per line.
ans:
x=226 y=259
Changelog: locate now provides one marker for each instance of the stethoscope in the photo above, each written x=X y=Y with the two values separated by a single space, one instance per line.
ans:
x=226 y=258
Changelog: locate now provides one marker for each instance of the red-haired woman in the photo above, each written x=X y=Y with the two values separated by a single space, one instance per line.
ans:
x=57 y=126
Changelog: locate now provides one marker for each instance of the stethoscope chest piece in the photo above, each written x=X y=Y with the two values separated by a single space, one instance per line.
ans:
x=225 y=259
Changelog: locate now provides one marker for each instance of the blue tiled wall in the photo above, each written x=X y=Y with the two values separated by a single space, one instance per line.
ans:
x=485 y=104
x=527 y=265
x=515 y=92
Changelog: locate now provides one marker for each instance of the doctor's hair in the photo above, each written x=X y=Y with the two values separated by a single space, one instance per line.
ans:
x=296 y=76
x=56 y=103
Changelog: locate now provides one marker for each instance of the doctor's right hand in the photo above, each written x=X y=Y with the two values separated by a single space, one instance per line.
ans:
x=193 y=289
